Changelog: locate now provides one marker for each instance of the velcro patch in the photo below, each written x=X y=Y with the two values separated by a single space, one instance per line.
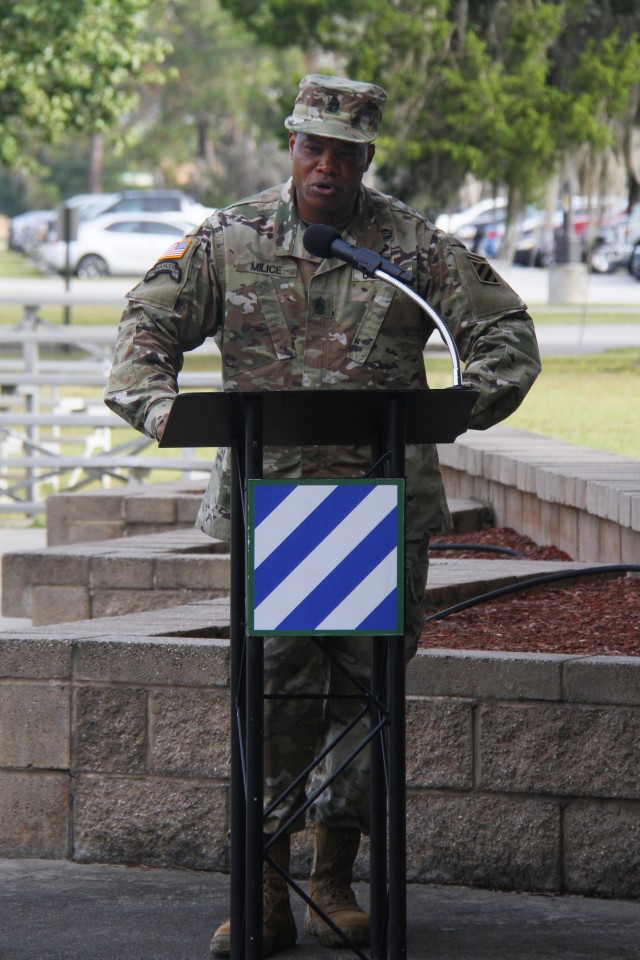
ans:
x=176 y=250
x=321 y=306
x=483 y=270
x=172 y=270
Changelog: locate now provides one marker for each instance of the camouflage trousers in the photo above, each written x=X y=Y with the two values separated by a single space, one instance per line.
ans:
x=298 y=730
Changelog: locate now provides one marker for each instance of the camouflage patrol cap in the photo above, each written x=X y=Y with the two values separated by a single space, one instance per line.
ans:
x=337 y=108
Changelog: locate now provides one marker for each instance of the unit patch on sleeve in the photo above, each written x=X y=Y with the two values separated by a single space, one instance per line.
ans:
x=484 y=271
x=172 y=270
x=176 y=250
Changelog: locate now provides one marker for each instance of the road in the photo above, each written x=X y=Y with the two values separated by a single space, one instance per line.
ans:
x=617 y=291
x=617 y=294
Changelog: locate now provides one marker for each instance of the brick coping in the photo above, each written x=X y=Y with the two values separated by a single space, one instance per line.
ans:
x=603 y=484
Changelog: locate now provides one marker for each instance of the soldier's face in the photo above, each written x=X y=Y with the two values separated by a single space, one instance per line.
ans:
x=326 y=174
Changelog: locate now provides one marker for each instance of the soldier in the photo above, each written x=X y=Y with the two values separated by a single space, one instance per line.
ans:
x=284 y=319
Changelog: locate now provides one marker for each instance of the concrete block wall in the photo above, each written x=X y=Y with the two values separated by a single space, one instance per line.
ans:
x=127 y=511
x=523 y=771
x=113 y=577
x=583 y=501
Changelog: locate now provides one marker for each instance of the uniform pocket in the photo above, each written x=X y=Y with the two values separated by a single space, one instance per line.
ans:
x=387 y=340
x=256 y=330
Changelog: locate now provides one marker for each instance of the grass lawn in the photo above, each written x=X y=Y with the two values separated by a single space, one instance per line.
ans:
x=14 y=265
x=592 y=400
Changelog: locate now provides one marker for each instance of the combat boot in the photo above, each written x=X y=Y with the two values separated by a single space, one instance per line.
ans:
x=330 y=887
x=278 y=926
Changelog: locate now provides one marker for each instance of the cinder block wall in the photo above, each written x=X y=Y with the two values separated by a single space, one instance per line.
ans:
x=523 y=771
x=129 y=511
x=583 y=501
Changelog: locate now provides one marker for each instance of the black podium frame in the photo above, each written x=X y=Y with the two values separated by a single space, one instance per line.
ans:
x=246 y=422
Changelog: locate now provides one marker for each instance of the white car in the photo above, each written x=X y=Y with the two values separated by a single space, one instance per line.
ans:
x=115 y=245
x=488 y=209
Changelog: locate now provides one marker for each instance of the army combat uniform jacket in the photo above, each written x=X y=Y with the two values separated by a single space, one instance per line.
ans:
x=284 y=319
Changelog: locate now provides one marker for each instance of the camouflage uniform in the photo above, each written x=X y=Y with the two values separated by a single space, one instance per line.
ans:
x=283 y=319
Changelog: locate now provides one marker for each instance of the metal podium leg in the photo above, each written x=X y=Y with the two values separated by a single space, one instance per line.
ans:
x=397 y=763
x=254 y=758
x=397 y=804
x=255 y=789
x=378 y=789
x=237 y=695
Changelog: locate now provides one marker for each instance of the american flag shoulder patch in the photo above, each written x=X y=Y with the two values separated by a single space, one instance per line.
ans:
x=176 y=250
x=484 y=271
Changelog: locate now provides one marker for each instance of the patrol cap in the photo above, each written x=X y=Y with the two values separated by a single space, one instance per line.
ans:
x=338 y=108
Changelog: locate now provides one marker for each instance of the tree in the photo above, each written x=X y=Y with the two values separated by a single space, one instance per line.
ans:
x=504 y=91
x=210 y=128
x=70 y=65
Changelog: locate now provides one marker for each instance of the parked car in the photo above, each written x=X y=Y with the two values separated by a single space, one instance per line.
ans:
x=139 y=201
x=30 y=228
x=614 y=242
x=115 y=244
x=482 y=211
x=534 y=235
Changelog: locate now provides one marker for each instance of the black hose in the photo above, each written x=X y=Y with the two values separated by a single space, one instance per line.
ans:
x=482 y=547
x=535 y=582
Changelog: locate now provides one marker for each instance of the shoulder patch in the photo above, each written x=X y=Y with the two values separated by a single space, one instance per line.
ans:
x=176 y=250
x=170 y=275
x=483 y=270
x=171 y=269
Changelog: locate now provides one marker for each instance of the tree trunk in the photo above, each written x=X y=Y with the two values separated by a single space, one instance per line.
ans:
x=96 y=158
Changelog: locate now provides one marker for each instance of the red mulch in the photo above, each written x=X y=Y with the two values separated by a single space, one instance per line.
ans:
x=600 y=617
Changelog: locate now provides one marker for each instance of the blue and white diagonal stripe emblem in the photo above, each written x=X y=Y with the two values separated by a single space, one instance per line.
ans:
x=325 y=557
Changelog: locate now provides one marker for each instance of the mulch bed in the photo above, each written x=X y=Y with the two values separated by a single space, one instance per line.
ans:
x=595 y=617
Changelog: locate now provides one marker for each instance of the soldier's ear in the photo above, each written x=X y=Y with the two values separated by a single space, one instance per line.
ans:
x=371 y=150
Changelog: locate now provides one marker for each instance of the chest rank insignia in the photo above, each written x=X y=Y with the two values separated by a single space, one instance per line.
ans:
x=320 y=306
x=334 y=105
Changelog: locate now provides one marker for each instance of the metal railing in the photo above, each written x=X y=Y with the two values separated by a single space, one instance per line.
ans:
x=55 y=432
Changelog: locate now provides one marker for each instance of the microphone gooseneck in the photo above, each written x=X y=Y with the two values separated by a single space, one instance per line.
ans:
x=325 y=241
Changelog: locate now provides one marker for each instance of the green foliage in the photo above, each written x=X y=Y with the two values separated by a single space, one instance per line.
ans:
x=215 y=117
x=500 y=90
x=577 y=399
x=70 y=65
x=281 y=23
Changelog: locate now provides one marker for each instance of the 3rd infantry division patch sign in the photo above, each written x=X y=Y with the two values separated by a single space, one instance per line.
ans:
x=325 y=557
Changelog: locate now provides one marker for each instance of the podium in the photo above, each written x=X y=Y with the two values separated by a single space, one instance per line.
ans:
x=387 y=421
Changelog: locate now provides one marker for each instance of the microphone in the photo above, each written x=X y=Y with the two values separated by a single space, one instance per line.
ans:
x=325 y=242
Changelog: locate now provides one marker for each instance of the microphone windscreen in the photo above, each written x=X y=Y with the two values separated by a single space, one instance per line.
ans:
x=318 y=238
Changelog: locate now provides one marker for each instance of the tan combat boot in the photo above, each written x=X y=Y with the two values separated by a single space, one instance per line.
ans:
x=278 y=926
x=330 y=887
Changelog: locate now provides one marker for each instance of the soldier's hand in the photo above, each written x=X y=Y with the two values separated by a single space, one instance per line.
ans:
x=161 y=424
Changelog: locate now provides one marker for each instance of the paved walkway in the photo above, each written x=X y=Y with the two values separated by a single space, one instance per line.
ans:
x=55 y=910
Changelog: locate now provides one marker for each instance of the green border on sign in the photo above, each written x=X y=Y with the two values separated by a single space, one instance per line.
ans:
x=327 y=481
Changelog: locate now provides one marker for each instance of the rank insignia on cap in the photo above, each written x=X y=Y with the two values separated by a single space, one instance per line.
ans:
x=176 y=250
x=484 y=271
x=333 y=106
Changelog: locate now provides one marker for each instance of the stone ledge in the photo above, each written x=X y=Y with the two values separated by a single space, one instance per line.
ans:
x=112 y=577
x=519 y=766
x=586 y=502
x=101 y=578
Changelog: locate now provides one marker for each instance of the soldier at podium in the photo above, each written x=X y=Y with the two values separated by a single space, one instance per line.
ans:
x=285 y=319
